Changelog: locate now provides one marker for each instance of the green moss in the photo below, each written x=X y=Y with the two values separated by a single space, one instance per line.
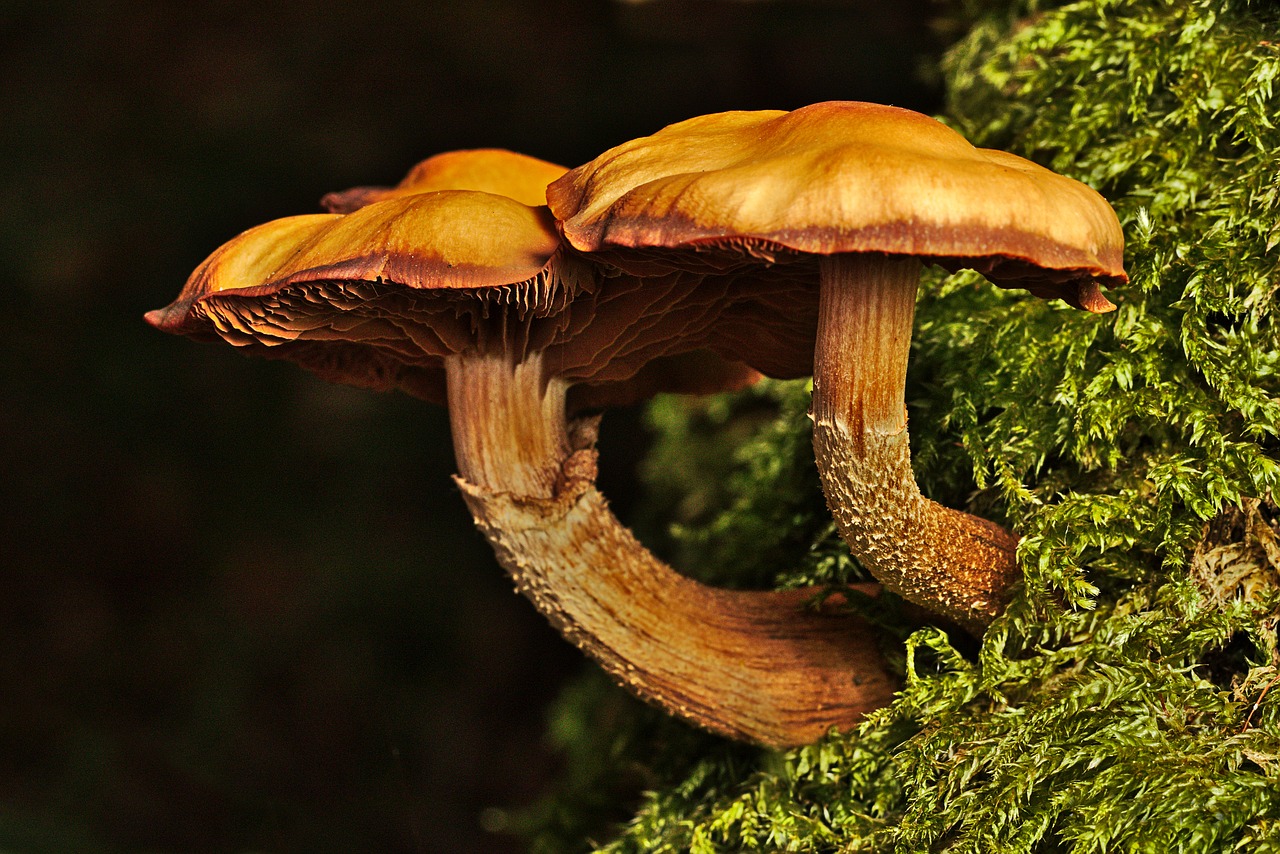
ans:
x=740 y=471
x=1129 y=699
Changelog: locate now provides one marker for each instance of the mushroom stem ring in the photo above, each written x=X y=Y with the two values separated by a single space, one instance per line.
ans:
x=758 y=666
x=961 y=564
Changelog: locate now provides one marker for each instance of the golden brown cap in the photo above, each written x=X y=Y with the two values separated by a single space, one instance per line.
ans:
x=362 y=298
x=378 y=297
x=449 y=240
x=841 y=177
x=488 y=170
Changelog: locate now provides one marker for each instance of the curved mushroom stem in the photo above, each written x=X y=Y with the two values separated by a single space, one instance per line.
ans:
x=756 y=666
x=949 y=562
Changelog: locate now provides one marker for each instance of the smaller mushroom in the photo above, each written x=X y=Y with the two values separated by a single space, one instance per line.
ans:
x=853 y=198
x=470 y=295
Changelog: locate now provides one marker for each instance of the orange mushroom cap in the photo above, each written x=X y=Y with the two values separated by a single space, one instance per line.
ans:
x=379 y=296
x=840 y=177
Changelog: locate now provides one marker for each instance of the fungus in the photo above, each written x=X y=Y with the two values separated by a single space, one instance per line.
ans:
x=471 y=295
x=853 y=198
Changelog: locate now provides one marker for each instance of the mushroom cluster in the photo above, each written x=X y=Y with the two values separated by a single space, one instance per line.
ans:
x=690 y=261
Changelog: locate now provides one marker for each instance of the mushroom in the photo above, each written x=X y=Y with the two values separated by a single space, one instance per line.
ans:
x=853 y=198
x=471 y=295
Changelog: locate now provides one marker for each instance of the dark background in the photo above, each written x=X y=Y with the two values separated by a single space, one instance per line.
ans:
x=240 y=609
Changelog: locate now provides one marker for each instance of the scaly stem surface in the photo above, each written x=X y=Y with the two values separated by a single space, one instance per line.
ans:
x=952 y=563
x=757 y=666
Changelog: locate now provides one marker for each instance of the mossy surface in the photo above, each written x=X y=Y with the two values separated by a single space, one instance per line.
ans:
x=1129 y=699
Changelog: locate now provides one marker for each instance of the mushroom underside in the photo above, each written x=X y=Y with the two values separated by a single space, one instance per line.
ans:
x=619 y=343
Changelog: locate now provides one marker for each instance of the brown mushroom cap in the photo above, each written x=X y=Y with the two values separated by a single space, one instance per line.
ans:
x=487 y=170
x=378 y=297
x=840 y=177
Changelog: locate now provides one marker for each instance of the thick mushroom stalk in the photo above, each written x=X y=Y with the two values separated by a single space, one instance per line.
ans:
x=962 y=565
x=758 y=666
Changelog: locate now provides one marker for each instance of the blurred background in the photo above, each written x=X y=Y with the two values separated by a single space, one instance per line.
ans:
x=240 y=609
